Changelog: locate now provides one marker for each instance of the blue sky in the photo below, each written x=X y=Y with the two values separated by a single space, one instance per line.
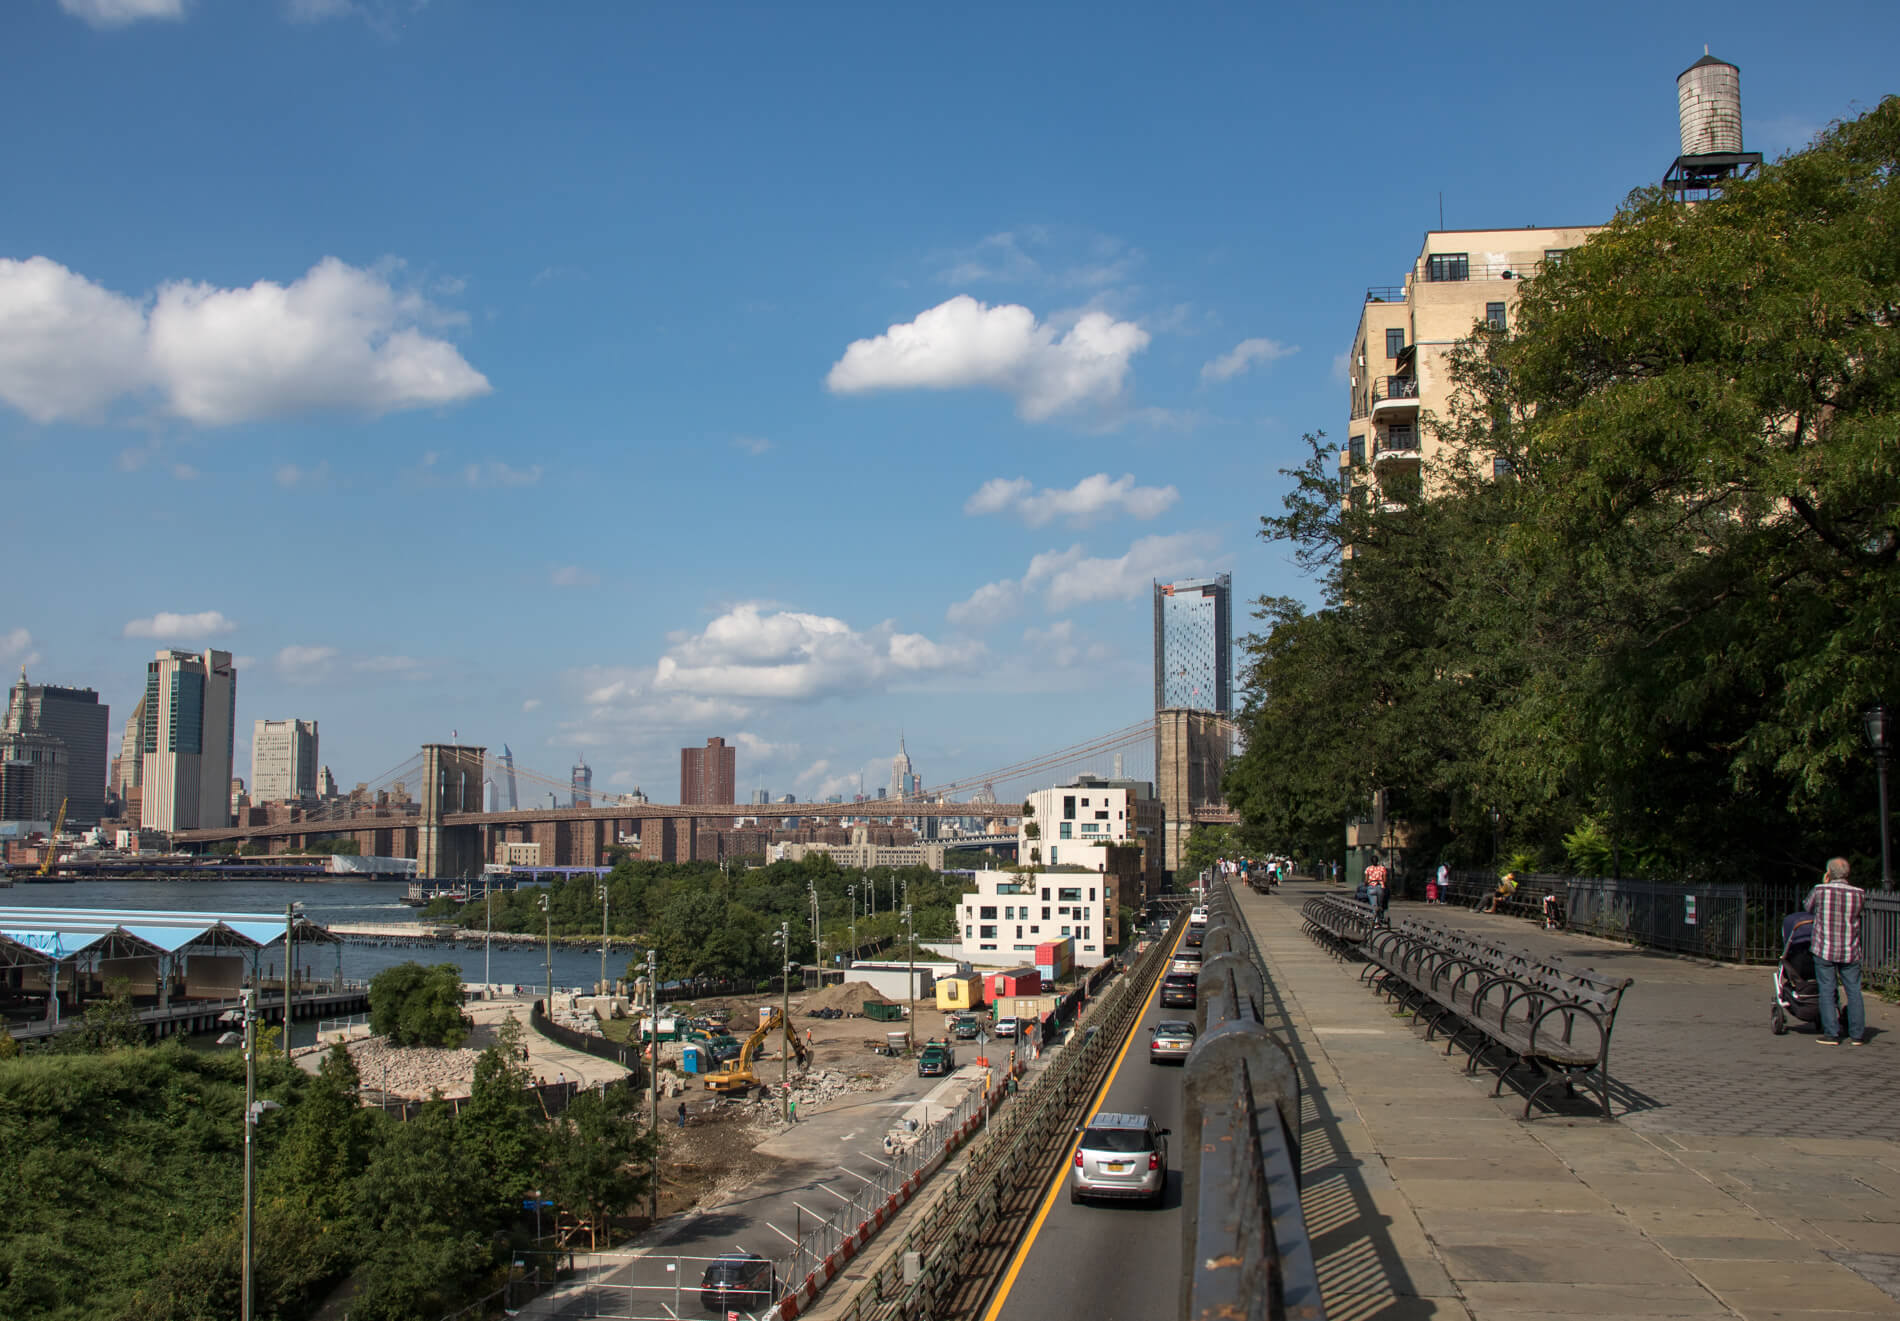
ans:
x=598 y=378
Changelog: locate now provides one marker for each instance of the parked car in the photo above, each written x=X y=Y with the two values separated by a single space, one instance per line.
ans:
x=936 y=1059
x=1120 y=1156
x=1003 y=1027
x=738 y=1281
x=1170 y=1040
x=1180 y=990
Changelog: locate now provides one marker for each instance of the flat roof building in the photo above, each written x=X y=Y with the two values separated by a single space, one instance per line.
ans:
x=284 y=763
x=187 y=739
x=709 y=774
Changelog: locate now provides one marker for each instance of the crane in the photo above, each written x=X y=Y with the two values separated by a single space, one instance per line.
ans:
x=52 y=839
x=736 y=1076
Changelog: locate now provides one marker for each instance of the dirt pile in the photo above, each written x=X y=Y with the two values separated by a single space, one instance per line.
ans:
x=849 y=997
x=414 y=1071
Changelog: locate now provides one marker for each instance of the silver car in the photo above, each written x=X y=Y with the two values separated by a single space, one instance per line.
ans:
x=1120 y=1156
x=1170 y=1040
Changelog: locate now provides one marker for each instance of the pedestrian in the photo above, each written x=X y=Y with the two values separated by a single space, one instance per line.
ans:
x=1837 y=906
x=682 y=1114
x=1376 y=876
x=1444 y=882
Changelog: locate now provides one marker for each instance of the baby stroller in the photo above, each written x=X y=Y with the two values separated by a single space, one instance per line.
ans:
x=1797 y=994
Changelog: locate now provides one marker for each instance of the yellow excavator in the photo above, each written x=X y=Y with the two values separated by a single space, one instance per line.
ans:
x=735 y=1077
x=52 y=839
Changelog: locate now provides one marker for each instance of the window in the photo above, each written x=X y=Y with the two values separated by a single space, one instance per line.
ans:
x=1069 y=893
x=1448 y=266
x=1052 y=855
x=1009 y=912
x=1085 y=802
x=1101 y=816
x=1091 y=894
x=1035 y=931
x=1088 y=827
x=1066 y=931
x=1554 y=255
x=1045 y=911
x=1068 y=807
x=1356 y=450
x=1494 y=313
x=1019 y=935
x=987 y=912
x=968 y=932
x=1064 y=830
x=1358 y=495
x=986 y=933
x=1400 y=436
x=1500 y=467
x=1045 y=897
x=1089 y=948
x=1394 y=342
x=1062 y=912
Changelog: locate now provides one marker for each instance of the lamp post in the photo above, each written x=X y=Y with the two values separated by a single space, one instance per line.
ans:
x=851 y=892
x=653 y=1067
x=488 y=934
x=547 y=925
x=910 y=958
x=784 y=942
x=290 y=961
x=254 y=1110
x=1875 y=722
x=603 y=939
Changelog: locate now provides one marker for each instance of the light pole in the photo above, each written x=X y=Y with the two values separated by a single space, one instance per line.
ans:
x=1875 y=722
x=547 y=925
x=488 y=934
x=910 y=957
x=784 y=940
x=254 y=1110
x=603 y=939
x=851 y=892
x=290 y=961
x=653 y=1067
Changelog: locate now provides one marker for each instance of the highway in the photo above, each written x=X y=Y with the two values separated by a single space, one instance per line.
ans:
x=1107 y=1261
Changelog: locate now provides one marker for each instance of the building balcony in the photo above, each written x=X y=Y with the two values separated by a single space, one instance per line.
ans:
x=1395 y=453
x=1385 y=293
x=1394 y=396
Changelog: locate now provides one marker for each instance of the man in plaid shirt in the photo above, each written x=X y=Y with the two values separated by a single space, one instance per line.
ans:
x=1836 y=906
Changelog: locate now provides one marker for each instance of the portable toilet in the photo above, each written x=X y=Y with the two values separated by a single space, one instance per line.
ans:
x=690 y=1057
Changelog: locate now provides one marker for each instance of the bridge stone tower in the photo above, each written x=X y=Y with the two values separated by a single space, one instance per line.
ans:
x=451 y=782
x=1190 y=758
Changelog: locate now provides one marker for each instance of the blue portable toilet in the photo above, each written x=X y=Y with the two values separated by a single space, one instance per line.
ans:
x=689 y=1057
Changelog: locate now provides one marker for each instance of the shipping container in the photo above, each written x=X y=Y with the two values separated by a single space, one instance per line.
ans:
x=960 y=994
x=1017 y=981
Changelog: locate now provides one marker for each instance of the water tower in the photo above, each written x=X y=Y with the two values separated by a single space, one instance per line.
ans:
x=1709 y=116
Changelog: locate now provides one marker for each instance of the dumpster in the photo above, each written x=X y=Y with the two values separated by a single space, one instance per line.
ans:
x=882 y=1012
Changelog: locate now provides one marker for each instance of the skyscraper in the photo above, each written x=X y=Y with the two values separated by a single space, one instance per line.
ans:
x=186 y=739
x=36 y=762
x=77 y=718
x=283 y=760
x=507 y=787
x=131 y=748
x=1194 y=644
x=581 y=781
x=709 y=774
x=904 y=783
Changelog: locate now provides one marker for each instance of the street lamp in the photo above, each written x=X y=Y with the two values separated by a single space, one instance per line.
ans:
x=784 y=941
x=254 y=1110
x=603 y=939
x=1875 y=721
x=488 y=936
x=290 y=912
x=851 y=891
x=910 y=957
x=653 y=1067
x=547 y=924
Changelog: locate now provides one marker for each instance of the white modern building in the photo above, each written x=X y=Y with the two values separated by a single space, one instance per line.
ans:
x=186 y=740
x=1076 y=824
x=1009 y=913
x=283 y=760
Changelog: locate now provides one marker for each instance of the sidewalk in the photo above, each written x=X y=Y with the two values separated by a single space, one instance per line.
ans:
x=1746 y=1175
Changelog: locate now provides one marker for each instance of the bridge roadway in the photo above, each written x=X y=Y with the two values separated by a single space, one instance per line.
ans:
x=879 y=810
x=1107 y=1261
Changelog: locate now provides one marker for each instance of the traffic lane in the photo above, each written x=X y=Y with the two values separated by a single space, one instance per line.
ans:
x=1113 y=1261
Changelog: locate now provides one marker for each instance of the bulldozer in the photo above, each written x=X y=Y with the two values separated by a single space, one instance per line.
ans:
x=736 y=1078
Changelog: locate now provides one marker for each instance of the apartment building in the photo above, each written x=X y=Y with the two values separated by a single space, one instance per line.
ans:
x=1399 y=364
x=188 y=728
x=1084 y=823
x=283 y=760
x=1009 y=913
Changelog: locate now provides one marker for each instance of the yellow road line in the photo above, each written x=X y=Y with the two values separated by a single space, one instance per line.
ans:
x=1062 y=1174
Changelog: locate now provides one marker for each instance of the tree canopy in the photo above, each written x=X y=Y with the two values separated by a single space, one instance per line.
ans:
x=1654 y=636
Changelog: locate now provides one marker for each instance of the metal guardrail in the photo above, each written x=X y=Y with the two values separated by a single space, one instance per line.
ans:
x=1244 y=1233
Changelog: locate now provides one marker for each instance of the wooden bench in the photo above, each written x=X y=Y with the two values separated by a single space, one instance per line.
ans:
x=1525 y=1011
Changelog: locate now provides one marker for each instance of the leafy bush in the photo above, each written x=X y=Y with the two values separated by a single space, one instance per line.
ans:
x=417 y=1006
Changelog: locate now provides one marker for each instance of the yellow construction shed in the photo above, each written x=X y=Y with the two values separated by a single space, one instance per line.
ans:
x=960 y=994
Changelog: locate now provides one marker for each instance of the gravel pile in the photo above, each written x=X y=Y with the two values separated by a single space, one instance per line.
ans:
x=849 y=997
x=414 y=1071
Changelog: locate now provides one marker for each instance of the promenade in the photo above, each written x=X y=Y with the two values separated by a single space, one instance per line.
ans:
x=1745 y=1175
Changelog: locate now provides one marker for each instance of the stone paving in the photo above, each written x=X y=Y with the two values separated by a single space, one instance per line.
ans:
x=1745 y=1175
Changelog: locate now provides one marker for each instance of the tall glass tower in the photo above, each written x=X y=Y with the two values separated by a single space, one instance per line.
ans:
x=1194 y=644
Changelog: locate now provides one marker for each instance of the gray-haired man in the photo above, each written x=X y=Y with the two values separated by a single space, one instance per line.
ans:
x=1836 y=906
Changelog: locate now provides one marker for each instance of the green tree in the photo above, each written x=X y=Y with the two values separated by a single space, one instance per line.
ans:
x=502 y=1122
x=417 y=1006
x=600 y=1155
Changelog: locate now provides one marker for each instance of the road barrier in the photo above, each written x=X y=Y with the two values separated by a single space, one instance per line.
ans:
x=1243 y=1232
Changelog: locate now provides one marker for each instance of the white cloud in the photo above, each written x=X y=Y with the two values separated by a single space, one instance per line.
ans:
x=817 y=783
x=339 y=339
x=289 y=474
x=184 y=472
x=493 y=472
x=118 y=13
x=757 y=749
x=1069 y=260
x=16 y=648
x=242 y=663
x=301 y=662
x=573 y=575
x=1243 y=356
x=406 y=667
x=1079 y=504
x=747 y=653
x=167 y=626
x=1059 y=646
x=1072 y=577
x=530 y=705
x=963 y=344
x=752 y=444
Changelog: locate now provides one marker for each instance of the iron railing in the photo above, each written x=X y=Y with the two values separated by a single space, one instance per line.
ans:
x=1394 y=387
x=1245 y=1247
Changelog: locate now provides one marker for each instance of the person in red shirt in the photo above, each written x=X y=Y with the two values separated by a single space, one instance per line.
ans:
x=1837 y=907
x=1375 y=889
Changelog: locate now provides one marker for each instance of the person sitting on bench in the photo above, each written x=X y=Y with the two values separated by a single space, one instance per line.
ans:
x=1506 y=888
x=1553 y=912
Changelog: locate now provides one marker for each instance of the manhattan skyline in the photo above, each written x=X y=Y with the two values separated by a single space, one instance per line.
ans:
x=604 y=382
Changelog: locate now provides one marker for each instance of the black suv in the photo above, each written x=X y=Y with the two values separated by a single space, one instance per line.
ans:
x=1179 y=990
x=742 y=1280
